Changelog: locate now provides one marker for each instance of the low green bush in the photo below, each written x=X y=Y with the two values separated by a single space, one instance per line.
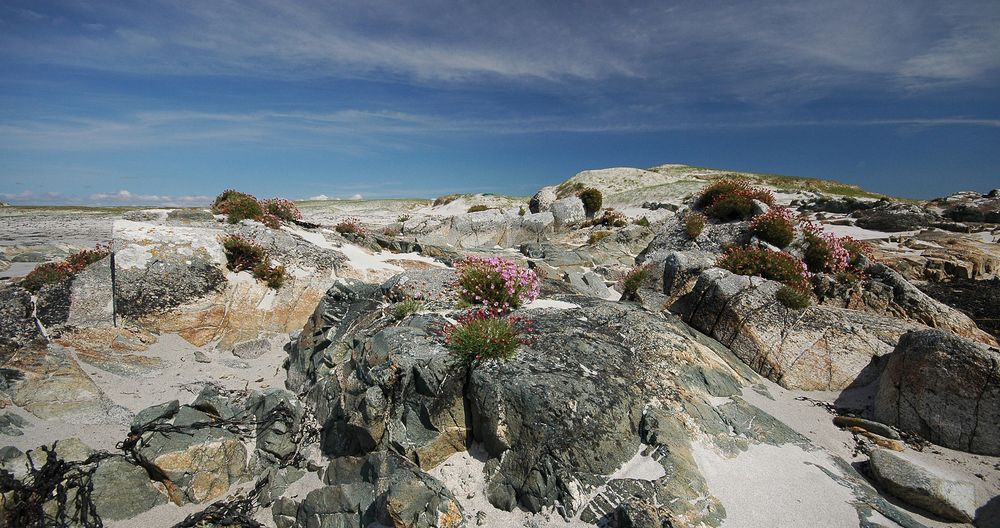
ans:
x=760 y=262
x=793 y=298
x=775 y=227
x=477 y=208
x=633 y=280
x=405 y=308
x=592 y=200
x=246 y=255
x=824 y=252
x=694 y=224
x=642 y=221
x=483 y=336
x=719 y=188
x=597 y=236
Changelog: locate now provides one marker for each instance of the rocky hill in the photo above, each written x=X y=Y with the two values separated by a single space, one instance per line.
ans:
x=702 y=349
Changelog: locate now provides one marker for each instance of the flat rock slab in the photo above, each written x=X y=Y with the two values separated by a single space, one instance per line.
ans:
x=904 y=476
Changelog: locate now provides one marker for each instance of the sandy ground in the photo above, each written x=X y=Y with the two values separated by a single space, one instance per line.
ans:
x=815 y=423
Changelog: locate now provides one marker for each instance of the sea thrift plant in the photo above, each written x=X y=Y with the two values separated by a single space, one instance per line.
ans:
x=776 y=226
x=767 y=263
x=486 y=335
x=633 y=280
x=694 y=224
x=53 y=272
x=350 y=226
x=825 y=252
x=496 y=283
x=282 y=208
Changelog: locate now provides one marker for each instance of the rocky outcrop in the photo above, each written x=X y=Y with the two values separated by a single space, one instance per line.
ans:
x=123 y=490
x=885 y=292
x=381 y=489
x=924 y=487
x=17 y=321
x=894 y=217
x=944 y=388
x=941 y=256
x=818 y=348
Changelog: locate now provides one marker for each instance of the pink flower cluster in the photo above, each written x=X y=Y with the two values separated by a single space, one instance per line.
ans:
x=775 y=213
x=839 y=257
x=282 y=208
x=496 y=283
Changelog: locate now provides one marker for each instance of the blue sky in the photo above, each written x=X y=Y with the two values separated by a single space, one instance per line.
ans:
x=171 y=102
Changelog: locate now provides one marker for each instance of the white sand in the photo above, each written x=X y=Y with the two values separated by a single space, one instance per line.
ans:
x=777 y=487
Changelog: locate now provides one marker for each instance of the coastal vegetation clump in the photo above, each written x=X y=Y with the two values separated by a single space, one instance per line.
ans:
x=609 y=218
x=824 y=252
x=55 y=272
x=633 y=280
x=246 y=255
x=732 y=199
x=486 y=335
x=592 y=200
x=776 y=227
x=495 y=283
x=350 y=226
x=694 y=224
x=477 y=208
x=239 y=206
x=767 y=263
x=597 y=236
x=405 y=308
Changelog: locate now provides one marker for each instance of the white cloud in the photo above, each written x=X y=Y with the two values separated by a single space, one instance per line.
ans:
x=125 y=197
x=357 y=197
x=319 y=197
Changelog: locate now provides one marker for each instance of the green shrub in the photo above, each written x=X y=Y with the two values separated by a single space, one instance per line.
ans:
x=47 y=273
x=237 y=206
x=483 y=336
x=405 y=308
x=694 y=224
x=521 y=211
x=592 y=200
x=775 y=227
x=403 y=218
x=717 y=189
x=247 y=255
x=478 y=208
x=633 y=280
x=445 y=200
x=597 y=236
x=793 y=298
x=642 y=221
x=760 y=262
x=273 y=276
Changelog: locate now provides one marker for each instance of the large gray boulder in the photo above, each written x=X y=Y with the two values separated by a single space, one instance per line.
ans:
x=818 y=348
x=929 y=488
x=542 y=200
x=944 y=388
x=17 y=322
x=567 y=211
x=123 y=490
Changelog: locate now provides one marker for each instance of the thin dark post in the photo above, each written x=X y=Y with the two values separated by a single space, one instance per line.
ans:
x=114 y=293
